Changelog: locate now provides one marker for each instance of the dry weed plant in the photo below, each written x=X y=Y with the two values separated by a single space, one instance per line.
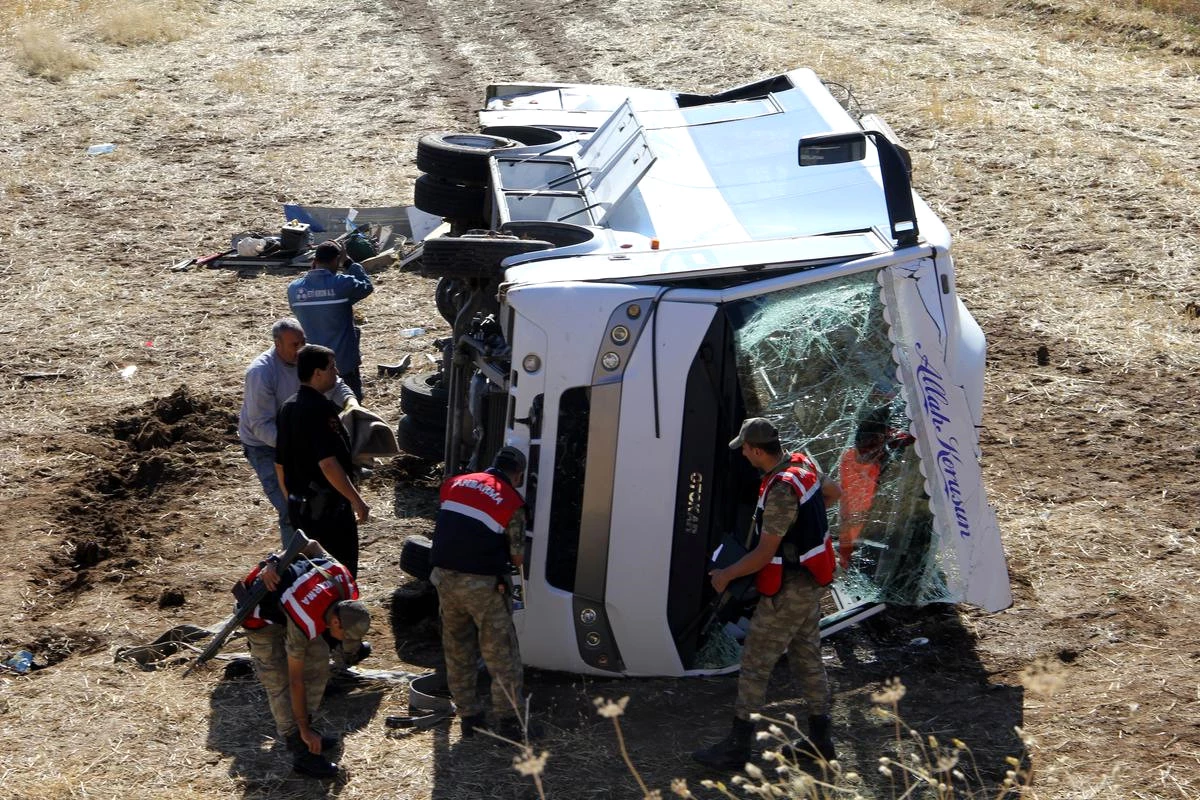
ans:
x=247 y=78
x=44 y=53
x=526 y=762
x=937 y=106
x=924 y=766
x=14 y=11
x=1101 y=322
x=1187 y=9
x=1043 y=677
x=42 y=49
x=1158 y=23
x=134 y=23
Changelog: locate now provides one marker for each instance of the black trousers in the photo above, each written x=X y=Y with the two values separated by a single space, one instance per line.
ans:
x=336 y=530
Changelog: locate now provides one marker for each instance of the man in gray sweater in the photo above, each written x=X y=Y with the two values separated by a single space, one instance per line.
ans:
x=270 y=380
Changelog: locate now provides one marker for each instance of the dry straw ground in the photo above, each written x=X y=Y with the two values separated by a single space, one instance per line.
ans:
x=1057 y=140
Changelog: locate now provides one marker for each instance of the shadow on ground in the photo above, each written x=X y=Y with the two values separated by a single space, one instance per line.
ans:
x=947 y=695
x=242 y=731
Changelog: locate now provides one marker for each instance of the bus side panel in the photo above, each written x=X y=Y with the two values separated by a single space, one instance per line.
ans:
x=926 y=333
x=564 y=326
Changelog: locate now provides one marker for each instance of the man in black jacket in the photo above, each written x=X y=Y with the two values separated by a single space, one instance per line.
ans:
x=313 y=463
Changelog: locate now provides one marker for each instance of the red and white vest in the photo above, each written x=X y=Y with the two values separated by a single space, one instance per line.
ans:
x=307 y=588
x=468 y=535
x=808 y=536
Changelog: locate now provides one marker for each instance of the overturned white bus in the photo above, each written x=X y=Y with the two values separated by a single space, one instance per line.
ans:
x=631 y=272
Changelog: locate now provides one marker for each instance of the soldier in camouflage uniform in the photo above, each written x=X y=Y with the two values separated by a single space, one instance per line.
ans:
x=793 y=539
x=479 y=533
x=310 y=598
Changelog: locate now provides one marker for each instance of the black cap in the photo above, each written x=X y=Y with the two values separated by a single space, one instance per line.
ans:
x=509 y=459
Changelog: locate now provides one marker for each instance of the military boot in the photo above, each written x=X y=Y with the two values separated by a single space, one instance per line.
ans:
x=818 y=732
x=296 y=745
x=817 y=750
x=731 y=753
x=475 y=722
x=513 y=729
x=314 y=765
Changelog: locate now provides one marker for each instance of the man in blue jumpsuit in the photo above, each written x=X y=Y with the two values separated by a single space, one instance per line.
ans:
x=323 y=299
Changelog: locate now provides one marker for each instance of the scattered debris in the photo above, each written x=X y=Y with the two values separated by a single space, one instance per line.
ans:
x=41 y=376
x=21 y=663
x=421 y=722
x=378 y=238
x=394 y=370
x=151 y=656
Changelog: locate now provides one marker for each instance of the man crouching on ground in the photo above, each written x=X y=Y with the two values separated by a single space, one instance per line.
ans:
x=311 y=596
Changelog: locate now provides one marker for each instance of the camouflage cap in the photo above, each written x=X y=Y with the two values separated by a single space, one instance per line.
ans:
x=356 y=621
x=755 y=431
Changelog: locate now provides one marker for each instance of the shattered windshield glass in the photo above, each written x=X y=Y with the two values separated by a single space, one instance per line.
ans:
x=816 y=360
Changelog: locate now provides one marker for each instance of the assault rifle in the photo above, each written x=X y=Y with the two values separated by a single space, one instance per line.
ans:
x=248 y=598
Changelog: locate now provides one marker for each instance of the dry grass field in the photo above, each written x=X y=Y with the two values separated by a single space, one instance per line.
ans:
x=1058 y=140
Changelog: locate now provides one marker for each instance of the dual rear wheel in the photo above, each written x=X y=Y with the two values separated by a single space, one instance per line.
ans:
x=458 y=172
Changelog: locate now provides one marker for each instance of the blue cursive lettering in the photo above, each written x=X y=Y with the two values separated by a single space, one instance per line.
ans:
x=936 y=402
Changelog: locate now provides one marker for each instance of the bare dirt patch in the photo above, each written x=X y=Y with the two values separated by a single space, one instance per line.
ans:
x=117 y=511
x=1057 y=141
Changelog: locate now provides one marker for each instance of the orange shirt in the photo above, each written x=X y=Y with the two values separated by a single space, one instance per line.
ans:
x=859 y=481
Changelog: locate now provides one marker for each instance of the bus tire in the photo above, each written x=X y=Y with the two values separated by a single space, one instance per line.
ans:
x=474 y=256
x=454 y=201
x=460 y=157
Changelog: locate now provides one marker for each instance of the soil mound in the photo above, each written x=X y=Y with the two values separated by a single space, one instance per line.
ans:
x=111 y=518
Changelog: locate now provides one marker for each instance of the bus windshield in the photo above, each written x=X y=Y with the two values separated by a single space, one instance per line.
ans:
x=817 y=361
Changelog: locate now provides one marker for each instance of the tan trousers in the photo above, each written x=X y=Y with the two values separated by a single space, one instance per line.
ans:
x=269 y=652
x=788 y=622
